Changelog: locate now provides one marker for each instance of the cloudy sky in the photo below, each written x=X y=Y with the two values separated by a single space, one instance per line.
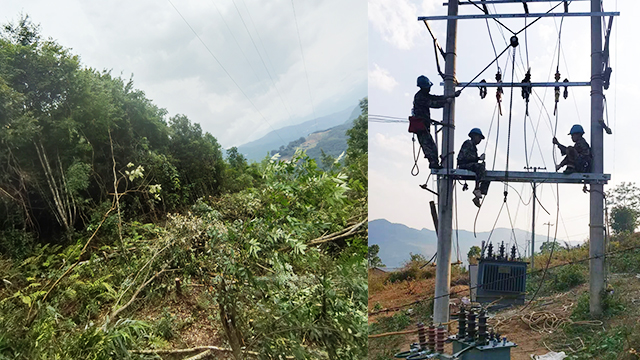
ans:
x=237 y=67
x=400 y=49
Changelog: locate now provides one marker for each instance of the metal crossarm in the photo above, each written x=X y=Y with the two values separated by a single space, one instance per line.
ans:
x=527 y=176
x=505 y=2
x=523 y=15
x=521 y=84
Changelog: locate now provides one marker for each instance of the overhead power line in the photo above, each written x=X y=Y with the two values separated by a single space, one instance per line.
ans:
x=304 y=63
x=225 y=70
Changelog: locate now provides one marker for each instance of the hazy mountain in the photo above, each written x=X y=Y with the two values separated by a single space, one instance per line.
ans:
x=258 y=149
x=397 y=241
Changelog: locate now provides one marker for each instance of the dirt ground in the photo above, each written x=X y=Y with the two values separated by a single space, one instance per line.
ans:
x=516 y=323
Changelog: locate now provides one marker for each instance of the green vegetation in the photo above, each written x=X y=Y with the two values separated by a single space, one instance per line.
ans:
x=115 y=218
x=623 y=202
x=373 y=258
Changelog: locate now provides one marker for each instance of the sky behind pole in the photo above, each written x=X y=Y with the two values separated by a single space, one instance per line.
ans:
x=400 y=49
x=171 y=48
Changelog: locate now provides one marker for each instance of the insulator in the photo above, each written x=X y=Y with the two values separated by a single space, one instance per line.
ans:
x=471 y=325
x=422 y=339
x=482 y=327
x=441 y=337
x=490 y=250
x=566 y=90
x=514 y=41
x=431 y=342
x=513 y=252
x=502 y=250
x=462 y=324
x=483 y=90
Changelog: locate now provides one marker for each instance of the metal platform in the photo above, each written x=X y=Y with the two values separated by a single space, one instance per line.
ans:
x=528 y=176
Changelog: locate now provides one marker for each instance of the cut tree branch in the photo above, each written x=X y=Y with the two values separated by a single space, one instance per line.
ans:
x=189 y=350
x=117 y=312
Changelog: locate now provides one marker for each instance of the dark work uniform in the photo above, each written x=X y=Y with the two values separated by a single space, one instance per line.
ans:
x=468 y=160
x=578 y=156
x=422 y=102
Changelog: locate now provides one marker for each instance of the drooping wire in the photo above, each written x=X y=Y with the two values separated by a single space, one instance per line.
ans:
x=553 y=246
x=455 y=199
x=513 y=68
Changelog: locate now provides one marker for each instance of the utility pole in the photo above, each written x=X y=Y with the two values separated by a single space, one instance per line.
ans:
x=549 y=225
x=533 y=225
x=596 y=211
x=445 y=183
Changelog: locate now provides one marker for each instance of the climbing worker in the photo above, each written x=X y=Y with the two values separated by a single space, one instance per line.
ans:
x=468 y=159
x=578 y=157
x=422 y=102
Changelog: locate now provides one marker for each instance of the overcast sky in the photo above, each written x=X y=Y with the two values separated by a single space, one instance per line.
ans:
x=256 y=42
x=400 y=49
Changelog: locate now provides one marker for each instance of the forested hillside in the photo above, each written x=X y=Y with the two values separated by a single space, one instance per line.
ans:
x=126 y=233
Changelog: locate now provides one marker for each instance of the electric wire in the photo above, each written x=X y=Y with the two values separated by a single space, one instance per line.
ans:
x=304 y=63
x=225 y=70
x=260 y=56
x=224 y=21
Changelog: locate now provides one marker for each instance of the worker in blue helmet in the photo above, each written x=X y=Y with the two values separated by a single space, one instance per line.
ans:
x=422 y=103
x=578 y=157
x=468 y=159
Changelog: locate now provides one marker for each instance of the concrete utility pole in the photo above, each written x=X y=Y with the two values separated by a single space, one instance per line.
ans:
x=533 y=225
x=549 y=225
x=445 y=183
x=596 y=217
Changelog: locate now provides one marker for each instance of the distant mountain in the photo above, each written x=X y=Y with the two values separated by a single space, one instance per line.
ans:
x=258 y=149
x=332 y=141
x=397 y=241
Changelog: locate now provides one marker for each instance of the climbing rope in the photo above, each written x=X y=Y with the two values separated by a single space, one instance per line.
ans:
x=415 y=157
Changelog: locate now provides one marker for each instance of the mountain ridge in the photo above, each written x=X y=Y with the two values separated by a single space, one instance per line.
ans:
x=397 y=241
x=256 y=150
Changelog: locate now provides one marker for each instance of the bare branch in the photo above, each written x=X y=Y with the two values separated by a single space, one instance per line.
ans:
x=193 y=349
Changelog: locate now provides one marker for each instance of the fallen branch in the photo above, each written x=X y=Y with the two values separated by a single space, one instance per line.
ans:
x=337 y=235
x=202 y=355
x=150 y=261
x=116 y=312
x=79 y=256
x=189 y=350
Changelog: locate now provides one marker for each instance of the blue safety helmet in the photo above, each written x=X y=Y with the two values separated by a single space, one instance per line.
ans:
x=424 y=81
x=576 y=129
x=476 y=131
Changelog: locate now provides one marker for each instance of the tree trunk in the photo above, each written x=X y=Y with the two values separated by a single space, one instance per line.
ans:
x=228 y=318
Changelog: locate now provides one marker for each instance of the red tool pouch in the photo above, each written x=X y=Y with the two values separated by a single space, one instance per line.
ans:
x=416 y=125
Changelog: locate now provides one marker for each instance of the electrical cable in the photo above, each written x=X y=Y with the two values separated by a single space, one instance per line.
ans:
x=260 y=55
x=506 y=173
x=225 y=70
x=304 y=62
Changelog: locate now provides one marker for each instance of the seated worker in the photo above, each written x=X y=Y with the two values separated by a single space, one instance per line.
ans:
x=578 y=157
x=422 y=102
x=468 y=159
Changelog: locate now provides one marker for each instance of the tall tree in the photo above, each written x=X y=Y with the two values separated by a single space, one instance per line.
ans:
x=624 y=206
x=374 y=259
